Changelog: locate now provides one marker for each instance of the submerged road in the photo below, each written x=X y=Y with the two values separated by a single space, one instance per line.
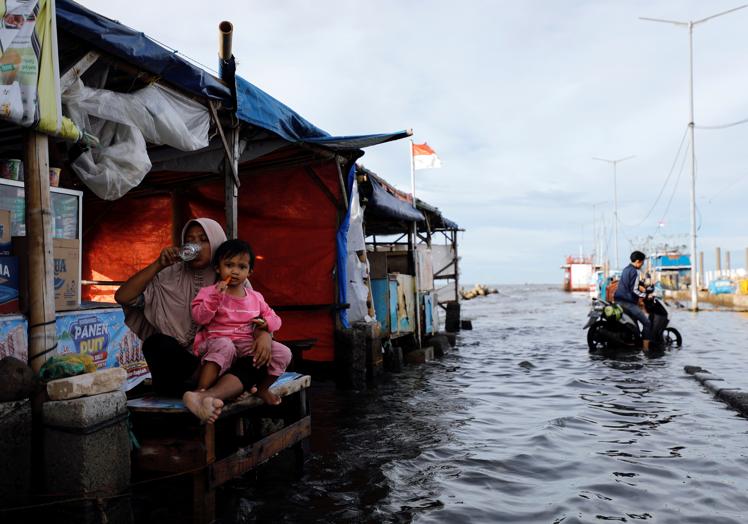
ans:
x=520 y=425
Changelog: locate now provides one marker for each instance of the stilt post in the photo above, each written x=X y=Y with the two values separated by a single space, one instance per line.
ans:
x=42 y=329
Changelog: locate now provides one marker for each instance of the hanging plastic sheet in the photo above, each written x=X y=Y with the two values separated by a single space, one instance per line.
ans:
x=356 y=271
x=124 y=123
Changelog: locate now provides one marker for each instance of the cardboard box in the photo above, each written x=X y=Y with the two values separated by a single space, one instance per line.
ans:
x=9 y=281
x=67 y=271
x=66 y=254
x=5 y=232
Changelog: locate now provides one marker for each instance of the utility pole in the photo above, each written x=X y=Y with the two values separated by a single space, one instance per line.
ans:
x=615 y=201
x=690 y=25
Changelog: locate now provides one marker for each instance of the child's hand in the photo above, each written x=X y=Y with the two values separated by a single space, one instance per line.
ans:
x=262 y=350
x=222 y=285
x=260 y=323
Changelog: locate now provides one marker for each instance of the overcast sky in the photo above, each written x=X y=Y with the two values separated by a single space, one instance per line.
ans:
x=516 y=98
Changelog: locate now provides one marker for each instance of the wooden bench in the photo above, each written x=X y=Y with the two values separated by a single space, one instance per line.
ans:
x=172 y=440
x=297 y=347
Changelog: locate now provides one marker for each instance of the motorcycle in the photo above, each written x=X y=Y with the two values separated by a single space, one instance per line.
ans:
x=609 y=327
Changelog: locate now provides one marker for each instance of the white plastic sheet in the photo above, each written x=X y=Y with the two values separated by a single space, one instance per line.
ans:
x=124 y=123
x=357 y=271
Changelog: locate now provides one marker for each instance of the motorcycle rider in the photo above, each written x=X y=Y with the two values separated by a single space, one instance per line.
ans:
x=630 y=292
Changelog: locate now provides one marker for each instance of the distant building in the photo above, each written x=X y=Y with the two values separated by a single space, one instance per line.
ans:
x=672 y=269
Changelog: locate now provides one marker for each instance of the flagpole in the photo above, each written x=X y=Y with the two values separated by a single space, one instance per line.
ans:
x=414 y=232
x=412 y=173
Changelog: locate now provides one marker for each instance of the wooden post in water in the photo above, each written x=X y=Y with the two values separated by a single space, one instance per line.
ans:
x=728 y=266
x=701 y=269
x=718 y=263
x=42 y=329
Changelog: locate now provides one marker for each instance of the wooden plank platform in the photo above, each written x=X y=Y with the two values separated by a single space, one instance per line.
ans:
x=287 y=384
x=172 y=440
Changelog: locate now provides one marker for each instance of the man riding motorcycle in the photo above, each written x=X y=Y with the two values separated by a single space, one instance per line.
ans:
x=630 y=293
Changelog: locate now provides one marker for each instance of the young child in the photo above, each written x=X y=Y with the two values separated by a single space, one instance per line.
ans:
x=229 y=312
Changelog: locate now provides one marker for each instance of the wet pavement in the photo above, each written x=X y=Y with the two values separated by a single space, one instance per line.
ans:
x=521 y=424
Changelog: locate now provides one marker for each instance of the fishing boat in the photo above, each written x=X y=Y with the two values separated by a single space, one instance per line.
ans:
x=579 y=272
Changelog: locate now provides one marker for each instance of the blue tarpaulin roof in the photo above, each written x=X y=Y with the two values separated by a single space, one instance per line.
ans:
x=383 y=203
x=257 y=107
x=136 y=48
x=254 y=105
x=448 y=224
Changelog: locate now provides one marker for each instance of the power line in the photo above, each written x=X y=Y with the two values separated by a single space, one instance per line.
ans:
x=664 y=184
x=672 y=195
x=724 y=126
x=740 y=178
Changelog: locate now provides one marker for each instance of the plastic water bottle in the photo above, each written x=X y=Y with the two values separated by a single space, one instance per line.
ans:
x=189 y=252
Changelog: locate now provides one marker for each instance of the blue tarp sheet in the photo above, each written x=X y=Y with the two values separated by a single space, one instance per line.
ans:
x=257 y=107
x=342 y=245
x=448 y=224
x=254 y=105
x=382 y=203
x=137 y=49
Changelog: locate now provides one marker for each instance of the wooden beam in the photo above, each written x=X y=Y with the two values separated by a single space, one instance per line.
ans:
x=252 y=456
x=226 y=148
x=75 y=72
x=39 y=217
x=203 y=494
x=342 y=183
x=318 y=181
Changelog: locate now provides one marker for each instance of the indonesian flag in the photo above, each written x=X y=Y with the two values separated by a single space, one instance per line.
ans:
x=424 y=157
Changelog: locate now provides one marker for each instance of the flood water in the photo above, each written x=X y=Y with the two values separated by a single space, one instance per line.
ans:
x=520 y=424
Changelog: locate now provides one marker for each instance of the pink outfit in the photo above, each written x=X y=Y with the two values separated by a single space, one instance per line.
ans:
x=227 y=332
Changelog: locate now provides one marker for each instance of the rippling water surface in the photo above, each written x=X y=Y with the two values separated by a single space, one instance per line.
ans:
x=520 y=424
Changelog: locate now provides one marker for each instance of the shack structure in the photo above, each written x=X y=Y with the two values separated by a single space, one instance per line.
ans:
x=152 y=141
x=414 y=271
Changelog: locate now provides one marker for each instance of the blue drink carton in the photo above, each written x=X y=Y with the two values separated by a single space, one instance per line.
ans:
x=5 y=230
x=9 y=284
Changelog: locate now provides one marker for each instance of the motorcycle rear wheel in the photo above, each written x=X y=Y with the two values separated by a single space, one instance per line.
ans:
x=671 y=338
x=595 y=339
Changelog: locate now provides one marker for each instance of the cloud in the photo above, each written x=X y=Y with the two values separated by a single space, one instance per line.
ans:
x=516 y=98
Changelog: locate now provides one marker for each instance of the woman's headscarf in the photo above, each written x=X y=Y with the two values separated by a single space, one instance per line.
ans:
x=167 y=299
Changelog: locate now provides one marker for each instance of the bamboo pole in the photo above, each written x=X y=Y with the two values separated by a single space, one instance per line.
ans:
x=42 y=329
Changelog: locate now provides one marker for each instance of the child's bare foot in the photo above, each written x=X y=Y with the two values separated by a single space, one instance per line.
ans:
x=246 y=394
x=268 y=397
x=205 y=408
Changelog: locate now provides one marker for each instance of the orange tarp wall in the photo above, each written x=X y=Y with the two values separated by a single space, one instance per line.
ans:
x=287 y=218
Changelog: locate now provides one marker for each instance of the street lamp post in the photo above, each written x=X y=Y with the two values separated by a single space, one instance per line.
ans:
x=615 y=200
x=690 y=25
x=597 y=233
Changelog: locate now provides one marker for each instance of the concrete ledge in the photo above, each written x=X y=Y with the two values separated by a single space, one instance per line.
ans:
x=84 y=412
x=87 y=384
x=736 y=398
x=702 y=376
x=733 y=397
